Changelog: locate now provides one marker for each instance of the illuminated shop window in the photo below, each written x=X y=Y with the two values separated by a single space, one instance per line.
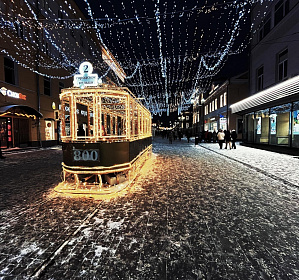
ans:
x=49 y=130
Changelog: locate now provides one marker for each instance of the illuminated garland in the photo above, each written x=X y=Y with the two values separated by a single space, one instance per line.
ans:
x=168 y=65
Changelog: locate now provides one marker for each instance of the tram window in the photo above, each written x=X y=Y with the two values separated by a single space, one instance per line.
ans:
x=108 y=125
x=113 y=125
x=119 y=126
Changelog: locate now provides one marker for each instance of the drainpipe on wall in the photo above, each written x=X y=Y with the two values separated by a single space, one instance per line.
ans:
x=227 y=108
x=37 y=78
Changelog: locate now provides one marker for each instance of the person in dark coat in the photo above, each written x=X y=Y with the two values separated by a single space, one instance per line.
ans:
x=170 y=136
x=227 y=139
x=214 y=136
x=234 y=138
x=188 y=134
x=206 y=136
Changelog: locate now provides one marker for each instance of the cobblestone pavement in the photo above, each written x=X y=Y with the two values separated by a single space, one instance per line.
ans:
x=197 y=213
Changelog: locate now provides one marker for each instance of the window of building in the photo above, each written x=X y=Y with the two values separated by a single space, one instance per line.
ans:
x=47 y=86
x=46 y=47
x=216 y=106
x=280 y=124
x=9 y=71
x=260 y=78
x=213 y=106
x=206 y=110
x=221 y=100
x=61 y=86
x=60 y=16
x=44 y=4
x=19 y=29
x=89 y=50
x=281 y=9
x=210 y=107
x=265 y=27
x=224 y=99
x=282 y=66
x=81 y=41
x=49 y=130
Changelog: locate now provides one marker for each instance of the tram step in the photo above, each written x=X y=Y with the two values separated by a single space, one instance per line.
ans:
x=113 y=180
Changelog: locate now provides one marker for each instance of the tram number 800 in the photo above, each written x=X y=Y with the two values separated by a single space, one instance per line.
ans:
x=86 y=155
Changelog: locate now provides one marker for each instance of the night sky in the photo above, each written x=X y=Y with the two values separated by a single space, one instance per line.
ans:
x=172 y=48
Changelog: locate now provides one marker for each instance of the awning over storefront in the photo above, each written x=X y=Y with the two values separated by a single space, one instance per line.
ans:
x=20 y=110
x=284 y=89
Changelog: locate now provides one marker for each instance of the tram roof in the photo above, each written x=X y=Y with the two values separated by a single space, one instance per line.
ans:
x=103 y=89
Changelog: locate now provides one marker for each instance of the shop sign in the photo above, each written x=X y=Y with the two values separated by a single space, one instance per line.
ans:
x=86 y=78
x=6 y=92
x=222 y=123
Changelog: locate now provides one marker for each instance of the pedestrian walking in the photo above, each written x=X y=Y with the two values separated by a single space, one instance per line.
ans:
x=210 y=136
x=234 y=138
x=220 y=136
x=206 y=136
x=227 y=138
x=188 y=135
x=214 y=136
x=170 y=136
x=180 y=135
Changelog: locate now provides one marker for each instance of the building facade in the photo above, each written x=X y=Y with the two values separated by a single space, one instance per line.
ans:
x=216 y=106
x=271 y=112
x=42 y=47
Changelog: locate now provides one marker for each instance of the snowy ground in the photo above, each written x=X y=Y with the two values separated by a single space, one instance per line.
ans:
x=198 y=213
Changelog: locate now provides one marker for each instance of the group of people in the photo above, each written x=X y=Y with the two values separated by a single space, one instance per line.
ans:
x=227 y=137
x=174 y=134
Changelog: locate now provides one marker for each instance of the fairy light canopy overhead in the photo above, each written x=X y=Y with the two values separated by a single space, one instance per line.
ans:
x=169 y=50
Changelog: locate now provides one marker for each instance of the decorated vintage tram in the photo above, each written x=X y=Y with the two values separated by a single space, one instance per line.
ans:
x=106 y=137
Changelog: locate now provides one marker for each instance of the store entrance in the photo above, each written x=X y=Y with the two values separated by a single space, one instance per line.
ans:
x=3 y=133
x=21 y=132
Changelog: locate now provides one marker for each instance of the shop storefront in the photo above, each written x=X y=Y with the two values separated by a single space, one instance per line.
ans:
x=17 y=125
x=274 y=120
x=5 y=132
x=216 y=123
x=277 y=125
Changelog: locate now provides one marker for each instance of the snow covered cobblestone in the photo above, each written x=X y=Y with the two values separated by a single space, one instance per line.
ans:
x=195 y=214
x=281 y=165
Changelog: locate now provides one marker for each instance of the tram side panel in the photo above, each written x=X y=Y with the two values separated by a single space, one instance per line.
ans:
x=103 y=154
x=137 y=146
x=95 y=154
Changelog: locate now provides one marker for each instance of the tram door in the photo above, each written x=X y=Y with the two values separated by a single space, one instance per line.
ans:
x=21 y=132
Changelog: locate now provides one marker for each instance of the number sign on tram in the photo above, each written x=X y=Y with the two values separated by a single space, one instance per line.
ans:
x=86 y=78
x=85 y=155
